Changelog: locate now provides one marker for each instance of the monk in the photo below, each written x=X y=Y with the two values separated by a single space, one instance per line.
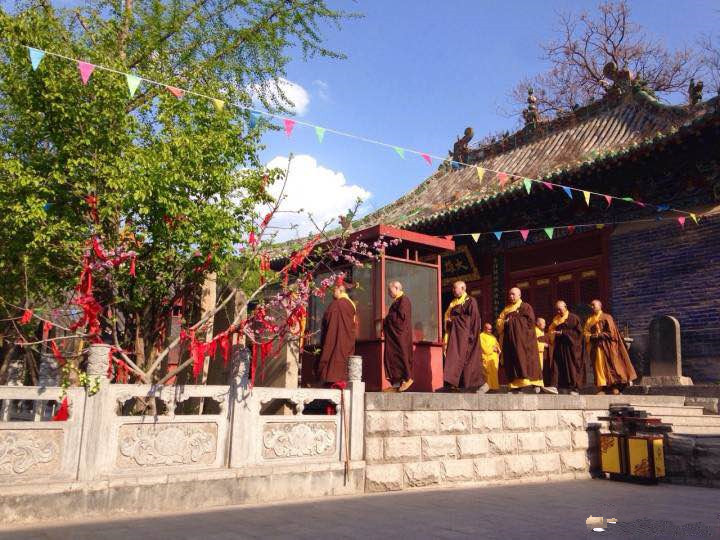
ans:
x=542 y=342
x=566 y=350
x=490 y=350
x=613 y=369
x=518 y=341
x=461 y=343
x=398 y=331
x=337 y=337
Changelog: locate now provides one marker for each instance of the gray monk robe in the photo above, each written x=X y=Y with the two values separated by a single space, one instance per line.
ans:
x=397 y=328
x=462 y=354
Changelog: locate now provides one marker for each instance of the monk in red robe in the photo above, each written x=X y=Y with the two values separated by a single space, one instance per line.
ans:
x=337 y=337
x=518 y=342
x=613 y=369
x=463 y=360
x=398 y=332
x=566 y=350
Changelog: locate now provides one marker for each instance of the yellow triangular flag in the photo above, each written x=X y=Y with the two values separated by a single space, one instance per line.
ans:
x=694 y=218
x=476 y=236
x=219 y=104
x=587 y=197
x=481 y=173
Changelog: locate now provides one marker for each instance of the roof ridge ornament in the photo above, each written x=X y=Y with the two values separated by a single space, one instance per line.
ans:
x=695 y=92
x=531 y=115
x=460 y=152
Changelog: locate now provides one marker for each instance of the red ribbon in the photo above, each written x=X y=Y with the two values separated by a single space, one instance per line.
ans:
x=57 y=354
x=63 y=412
x=26 y=316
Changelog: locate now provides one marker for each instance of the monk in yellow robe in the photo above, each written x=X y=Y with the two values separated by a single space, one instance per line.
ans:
x=542 y=341
x=613 y=369
x=490 y=351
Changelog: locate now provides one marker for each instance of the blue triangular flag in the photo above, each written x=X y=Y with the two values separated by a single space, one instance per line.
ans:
x=498 y=234
x=36 y=57
x=254 y=119
x=662 y=207
x=567 y=191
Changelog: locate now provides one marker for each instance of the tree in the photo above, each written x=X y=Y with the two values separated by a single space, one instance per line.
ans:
x=586 y=43
x=710 y=59
x=91 y=176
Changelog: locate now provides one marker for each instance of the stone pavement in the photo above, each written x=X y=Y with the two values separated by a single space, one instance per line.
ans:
x=533 y=511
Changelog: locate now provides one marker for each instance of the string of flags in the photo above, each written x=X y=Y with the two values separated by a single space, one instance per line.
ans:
x=133 y=82
x=550 y=231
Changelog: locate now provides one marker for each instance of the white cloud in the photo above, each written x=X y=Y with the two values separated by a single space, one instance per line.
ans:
x=297 y=95
x=323 y=90
x=315 y=189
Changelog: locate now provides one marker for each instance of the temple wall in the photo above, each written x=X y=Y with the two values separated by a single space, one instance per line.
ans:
x=666 y=270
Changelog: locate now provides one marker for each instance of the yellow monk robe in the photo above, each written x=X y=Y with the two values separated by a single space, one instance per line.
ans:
x=541 y=345
x=611 y=361
x=500 y=324
x=491 y=359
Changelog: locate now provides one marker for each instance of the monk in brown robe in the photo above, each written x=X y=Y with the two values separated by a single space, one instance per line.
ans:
x=461 y=343
x=566 y=350
x=337 y=336
x=613 y=369
x=518 y=341
x=398 y=332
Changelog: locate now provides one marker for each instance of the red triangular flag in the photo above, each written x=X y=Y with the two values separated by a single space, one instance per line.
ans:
x=502 y=179
x=548 y=185
x=524 y=233
x=289 y=125
x=426 y=158
x=86 y=70
x=63 y=412
x=609 y=199
x=177 y=92
x=571 y=229
x=681 y=220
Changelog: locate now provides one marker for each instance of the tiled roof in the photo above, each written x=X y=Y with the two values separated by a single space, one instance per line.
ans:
x=606 y=127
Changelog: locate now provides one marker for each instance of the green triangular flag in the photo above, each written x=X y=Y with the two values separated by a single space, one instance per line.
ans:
x=475 y=236
x=528 y=184
x=320 y=132
x=133 y=82
x=549 y=231
x=629 y=199
x=219 y=104
x=400 y=151
x=586 y=194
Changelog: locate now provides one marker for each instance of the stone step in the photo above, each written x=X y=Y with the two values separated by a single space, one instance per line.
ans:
x=653 y=410
x=700 y=421
x=696 y=430
x=603 y=401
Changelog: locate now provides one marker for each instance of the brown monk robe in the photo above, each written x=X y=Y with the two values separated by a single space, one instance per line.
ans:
x=398 y=332
x=520 y=355
x=337 y=337
x=613 y=368
x=462 y=343
x=566 y=349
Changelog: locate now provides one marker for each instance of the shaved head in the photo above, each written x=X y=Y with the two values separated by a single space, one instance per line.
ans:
x=395 y=288
x=560 y=307
x=459 y=288
x=596 y=306
x=514 y=294
x=540 y=323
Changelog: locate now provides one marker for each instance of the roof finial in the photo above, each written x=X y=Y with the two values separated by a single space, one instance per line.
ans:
x=460 y=151
x=622 y=78
x=530 y=114
x=695 y=92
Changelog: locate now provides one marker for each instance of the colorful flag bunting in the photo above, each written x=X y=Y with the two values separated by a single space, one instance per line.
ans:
x=86 y=70
x=549 y=231
x=524 y=233
x=177 y=92
x=480 y=172
x=400 y=151
x=502 y=179
x=475 y=236
x=498 y=235
x=586 y=194
x=609 y=199
x=426 y=158
x=219 y=104
x=132 y=83
x=548 y=185
x=289 y=125
x=694 y=218
x=600 y=226
x=571 y=229
x=662 y=207
x=320 y=132
x=567 y=191
x=681 y=221
x=36 y=57
x=528 y=185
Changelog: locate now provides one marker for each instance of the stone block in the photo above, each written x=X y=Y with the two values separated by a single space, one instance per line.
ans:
x=460 y=470
x=531 y=442
x=424 y=473
x=472 y=445
x=580 y=440
x=383 y=423
x=439 y=446
x=401 y=449
x=374 y=449
x=708 y=466
x=443 y=402
x=485 y=421
x=574 y=461
x=489 y=468
x=502 y=443
x=455 y=422
x=557 y=440
x=421 y=422
x=517 y=420
x=676 y=465
x=519 y=466
x=384 y=477
x=545 y=419
x=571 y=419
x=387 y=401
x=547 y=463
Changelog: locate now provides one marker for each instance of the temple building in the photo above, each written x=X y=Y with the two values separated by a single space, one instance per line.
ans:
x=640 y=260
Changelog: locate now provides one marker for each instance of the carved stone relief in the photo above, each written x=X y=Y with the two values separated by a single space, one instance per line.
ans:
x=30 y=451
x=307 y=439
x=165 y=445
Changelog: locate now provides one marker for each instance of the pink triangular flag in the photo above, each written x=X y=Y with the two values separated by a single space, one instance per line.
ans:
x=524 y=233
x=609 y=199
x=642 y=204
x=548 y=185
x=426 y=158
x=681 y=220
x=177 y=92
x=289 y=125
x=86 y=70
x=502 y=179
x=571 y=229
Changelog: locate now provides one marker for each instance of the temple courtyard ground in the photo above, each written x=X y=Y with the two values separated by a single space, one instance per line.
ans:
x=531 y=511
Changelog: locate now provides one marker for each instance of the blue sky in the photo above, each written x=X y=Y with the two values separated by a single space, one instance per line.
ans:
x=419 y=72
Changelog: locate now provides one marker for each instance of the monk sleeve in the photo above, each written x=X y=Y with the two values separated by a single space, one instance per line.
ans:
x=476 y=323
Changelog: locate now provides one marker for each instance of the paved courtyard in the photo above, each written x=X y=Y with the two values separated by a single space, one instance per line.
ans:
x=538 y=511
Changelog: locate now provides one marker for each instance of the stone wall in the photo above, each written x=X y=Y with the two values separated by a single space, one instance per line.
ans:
x=665 y=269
x=452 y=439
x=693 y=460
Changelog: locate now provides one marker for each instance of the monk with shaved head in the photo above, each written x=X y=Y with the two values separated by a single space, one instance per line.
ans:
x=398 y=334
x=518 y=342
x=567 y=362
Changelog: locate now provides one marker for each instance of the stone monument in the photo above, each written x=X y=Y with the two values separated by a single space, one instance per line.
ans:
x=664 y=353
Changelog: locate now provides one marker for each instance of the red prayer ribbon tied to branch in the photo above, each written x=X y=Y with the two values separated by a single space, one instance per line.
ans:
x=63 y=412
x=123 y=371
x=26 y=316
